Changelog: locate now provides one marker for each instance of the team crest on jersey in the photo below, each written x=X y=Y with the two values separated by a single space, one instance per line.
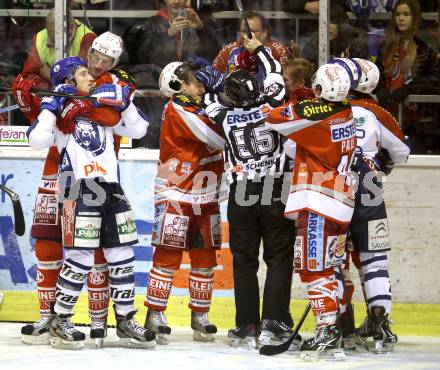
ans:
x=88 y=137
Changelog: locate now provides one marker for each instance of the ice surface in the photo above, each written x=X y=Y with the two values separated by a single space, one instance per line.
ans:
x=184 y=353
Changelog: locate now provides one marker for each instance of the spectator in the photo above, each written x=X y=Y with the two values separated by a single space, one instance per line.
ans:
x=175 y=33
x=235 y=56
x=341 y=36
x=42 y=54
x=409 y=66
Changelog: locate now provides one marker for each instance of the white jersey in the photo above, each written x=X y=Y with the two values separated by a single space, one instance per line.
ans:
x=376 y=128
x=88 y=152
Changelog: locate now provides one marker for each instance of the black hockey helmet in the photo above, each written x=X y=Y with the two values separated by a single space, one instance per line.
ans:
x=242 y=88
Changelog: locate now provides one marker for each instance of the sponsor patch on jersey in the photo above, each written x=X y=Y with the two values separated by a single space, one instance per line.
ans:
x=126 y=227
x=159 y=214
x=288 y=112
x=49 y=184
x=175 y=230
x=298 y=250
x=263 y=163
x=46 y=209
x=186 y=168
x=315 y=242
x=343 y=131
x=234 y=117
x=216 y=230
x=378 y=235
x=302 y=171
x=335 y=250
x=87 y=232
x=68 y=223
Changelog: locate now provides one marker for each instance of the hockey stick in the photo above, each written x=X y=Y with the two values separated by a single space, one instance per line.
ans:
x=270 y=350
x=244 y=19
x=7 y=109
x=103 y=101
x=18 y=211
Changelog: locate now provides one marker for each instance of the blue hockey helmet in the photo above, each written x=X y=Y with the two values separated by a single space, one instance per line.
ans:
x=65 y=68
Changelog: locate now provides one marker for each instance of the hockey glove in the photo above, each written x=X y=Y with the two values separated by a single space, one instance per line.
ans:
x=55 y=103
x=28 y=103
x=198 y=62
x=125 y=78
x=247 y=61
x=211 y=78
x=112 y=91
x=384 y=161
x=74 y=109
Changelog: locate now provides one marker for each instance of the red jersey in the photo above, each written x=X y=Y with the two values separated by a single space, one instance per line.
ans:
x=325 y=137
x=191 y=157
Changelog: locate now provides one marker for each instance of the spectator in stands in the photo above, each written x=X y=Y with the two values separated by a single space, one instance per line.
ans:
x=175 y=33
x=409 y=66
x=42 y=54
x=341 y=36
x=235 y=56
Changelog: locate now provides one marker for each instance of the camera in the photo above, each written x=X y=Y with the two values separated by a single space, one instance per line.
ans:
x=182 y=13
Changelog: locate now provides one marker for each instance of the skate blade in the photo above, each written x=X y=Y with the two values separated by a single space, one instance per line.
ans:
x=330 y=355
x=267 y=338
x=162 y=339
x=381 y=348
x=248 y=342
x=133 y=343
x=349 y=343
x=203 y=337
x=99 y=342
x=36 y=339
x=60 y=343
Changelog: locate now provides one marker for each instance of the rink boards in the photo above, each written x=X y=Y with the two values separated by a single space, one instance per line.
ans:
x=413 y=207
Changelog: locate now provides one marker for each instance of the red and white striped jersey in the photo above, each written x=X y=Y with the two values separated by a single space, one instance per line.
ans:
x=325 y=137
x=191 y=157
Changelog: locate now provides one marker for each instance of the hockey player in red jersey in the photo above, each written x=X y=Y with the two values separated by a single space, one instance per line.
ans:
x=187 y=216
x=321 y=198
x=104 y=55
x=94 y=207
x=383 y=144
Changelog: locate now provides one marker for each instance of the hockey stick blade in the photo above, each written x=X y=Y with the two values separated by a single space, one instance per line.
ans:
x=244 y=19
x=270 y=350
x=8 y=109
x=19 y=225
x=103 y=101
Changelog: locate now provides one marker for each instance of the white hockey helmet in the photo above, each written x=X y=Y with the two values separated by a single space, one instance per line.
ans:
x=370 y=76
x=352 y=67
x=109 y=44
x=169 y=83
x=331 y=82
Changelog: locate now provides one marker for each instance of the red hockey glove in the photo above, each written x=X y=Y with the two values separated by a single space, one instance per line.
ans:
x=73 y=109
x=28 y=103
x=247 y=61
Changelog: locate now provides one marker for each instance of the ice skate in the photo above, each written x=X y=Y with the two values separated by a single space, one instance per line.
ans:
x=326 y=345
x=98 y=331
x=203 y=329
x=64 y=335
x=156 y=321
x=131 y=334
x=383 y=337
x=273 y=332
x=244 y=336
x=38 y=332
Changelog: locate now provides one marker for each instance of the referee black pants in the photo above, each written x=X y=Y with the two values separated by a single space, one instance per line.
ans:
x=248 y=225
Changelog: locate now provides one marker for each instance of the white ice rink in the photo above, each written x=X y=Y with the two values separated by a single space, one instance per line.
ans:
x=184 y=353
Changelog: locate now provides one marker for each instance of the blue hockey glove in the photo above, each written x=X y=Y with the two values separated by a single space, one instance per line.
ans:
x=112 y=91
x=55 y=103
x=211 y=78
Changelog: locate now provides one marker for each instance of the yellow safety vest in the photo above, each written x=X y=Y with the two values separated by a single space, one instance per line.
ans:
x=47 y=54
